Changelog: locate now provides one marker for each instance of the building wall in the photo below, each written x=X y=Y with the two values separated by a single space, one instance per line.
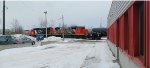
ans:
x=127 y=28
x=126 y=62
x=147 y=34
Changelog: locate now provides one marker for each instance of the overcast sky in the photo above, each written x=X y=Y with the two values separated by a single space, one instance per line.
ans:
x=82 y=13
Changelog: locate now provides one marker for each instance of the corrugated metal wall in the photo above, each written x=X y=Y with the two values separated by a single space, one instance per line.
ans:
x=147 y=34
x=117 y=9
x=124 y=29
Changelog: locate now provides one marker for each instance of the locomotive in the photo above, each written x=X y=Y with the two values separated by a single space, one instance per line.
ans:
x=69 y=32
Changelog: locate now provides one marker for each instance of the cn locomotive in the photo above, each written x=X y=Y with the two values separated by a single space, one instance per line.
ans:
x=69 y=32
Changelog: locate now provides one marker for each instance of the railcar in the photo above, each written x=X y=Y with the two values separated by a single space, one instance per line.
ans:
x=97 y=33
x=101 y=31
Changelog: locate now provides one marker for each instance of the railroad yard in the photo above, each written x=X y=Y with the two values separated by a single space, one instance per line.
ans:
x=74 y=34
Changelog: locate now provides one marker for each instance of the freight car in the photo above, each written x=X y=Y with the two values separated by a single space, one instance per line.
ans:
x=97 y=33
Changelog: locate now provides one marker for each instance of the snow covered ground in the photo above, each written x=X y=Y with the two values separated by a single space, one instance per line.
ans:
x=52 y=38
x=60 y=55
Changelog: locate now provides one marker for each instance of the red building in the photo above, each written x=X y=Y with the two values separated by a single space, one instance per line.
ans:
x=129 y=33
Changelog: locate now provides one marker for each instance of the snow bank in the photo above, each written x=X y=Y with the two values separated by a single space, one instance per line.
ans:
x=104 y=38
x=45 y=40
x=59 y=39
x=19 y=35
x=52 y=38
x=66 y=40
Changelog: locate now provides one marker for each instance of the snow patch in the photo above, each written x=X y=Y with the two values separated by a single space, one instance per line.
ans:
x=52 y=38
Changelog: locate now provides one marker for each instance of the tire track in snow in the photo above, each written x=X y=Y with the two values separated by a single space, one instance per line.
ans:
x=100 y=57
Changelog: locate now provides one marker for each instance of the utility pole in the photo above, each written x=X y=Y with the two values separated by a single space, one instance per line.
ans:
x=3 y=17
x=59 y=24
x=63 y=26
x=46 y=22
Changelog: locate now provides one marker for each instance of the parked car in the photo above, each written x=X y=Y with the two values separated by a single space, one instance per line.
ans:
x=7 y=39
x=27 y=40
x=17 y=40
x=39 y=37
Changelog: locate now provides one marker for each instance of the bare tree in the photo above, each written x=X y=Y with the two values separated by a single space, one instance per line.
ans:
x=0 y=21
x=73 y=25
x=42 y=22
x=17 y=28
x=65 y=26
x=20 y=29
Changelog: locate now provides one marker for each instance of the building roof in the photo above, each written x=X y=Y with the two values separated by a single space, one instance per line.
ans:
x=116 y=10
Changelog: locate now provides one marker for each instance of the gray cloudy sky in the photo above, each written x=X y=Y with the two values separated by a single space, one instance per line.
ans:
x=82 y=13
